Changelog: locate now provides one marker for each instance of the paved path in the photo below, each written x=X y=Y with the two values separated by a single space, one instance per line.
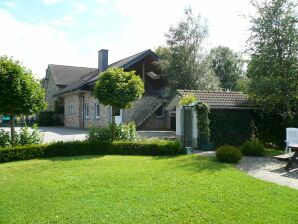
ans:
x=265 y=168
x=54 y=134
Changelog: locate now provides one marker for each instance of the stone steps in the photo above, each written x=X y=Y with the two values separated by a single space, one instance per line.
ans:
x=144 y=108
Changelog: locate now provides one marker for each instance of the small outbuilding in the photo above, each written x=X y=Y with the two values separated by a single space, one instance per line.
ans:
x=228 y=119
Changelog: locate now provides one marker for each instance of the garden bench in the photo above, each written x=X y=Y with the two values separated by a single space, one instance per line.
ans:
x=291 y=158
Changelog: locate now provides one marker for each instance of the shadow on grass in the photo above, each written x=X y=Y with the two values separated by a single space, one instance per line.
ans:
x=195 y=163
x=72 y=158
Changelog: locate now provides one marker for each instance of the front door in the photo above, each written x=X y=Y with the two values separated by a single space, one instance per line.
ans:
x=118 y=116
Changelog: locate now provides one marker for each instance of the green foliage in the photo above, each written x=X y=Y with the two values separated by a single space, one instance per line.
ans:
x=188 y=99
x=228 y=154
x=49 y=118
x=182 y=60
x=90 y=148
x=24 y=137
x=271 y=128
x=273 y=68
x=231 y=127
x=118 y=88
x=243 y=85
x=253 y=148
x=122 y=132
x=98 y=134
x=20 y=93
x=4 y=138
x=227 y=66
x=203 y=123
x=29 y=137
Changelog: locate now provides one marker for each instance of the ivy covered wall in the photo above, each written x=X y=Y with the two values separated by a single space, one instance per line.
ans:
x=232 y=127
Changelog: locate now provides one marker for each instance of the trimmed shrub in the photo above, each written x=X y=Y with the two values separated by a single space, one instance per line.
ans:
x=253 y=148
x=122 y=132
x=4 y=138
x=228 y=154
x=161 y=147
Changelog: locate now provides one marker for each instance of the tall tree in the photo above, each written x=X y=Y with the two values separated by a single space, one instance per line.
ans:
x=20 y=93
x=119 y=89
x=183 y=62
x=227 y=65
x=273 y=68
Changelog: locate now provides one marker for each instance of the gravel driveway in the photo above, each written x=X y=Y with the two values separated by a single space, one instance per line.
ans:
x=54 y=134
x=265 y=168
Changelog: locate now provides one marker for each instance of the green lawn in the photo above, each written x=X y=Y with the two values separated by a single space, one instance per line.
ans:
x=136 y=189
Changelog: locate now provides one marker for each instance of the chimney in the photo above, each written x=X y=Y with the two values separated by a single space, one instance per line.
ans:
x=103 y=57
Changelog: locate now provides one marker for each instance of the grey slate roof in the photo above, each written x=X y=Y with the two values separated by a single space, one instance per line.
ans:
x=91 y=74
x=127 y=62
x=221 y=99
x=64 y=75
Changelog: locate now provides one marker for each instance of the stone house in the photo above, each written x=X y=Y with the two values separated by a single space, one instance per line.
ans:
x=71 y=87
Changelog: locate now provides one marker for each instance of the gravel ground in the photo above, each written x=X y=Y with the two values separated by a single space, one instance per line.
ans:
x=54 y=134
x=265 y=168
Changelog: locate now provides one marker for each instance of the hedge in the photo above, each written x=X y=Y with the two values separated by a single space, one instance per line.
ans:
x=232 y=127
x=90 y=148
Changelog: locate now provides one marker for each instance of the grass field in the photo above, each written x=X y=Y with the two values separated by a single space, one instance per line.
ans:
x=139 y=189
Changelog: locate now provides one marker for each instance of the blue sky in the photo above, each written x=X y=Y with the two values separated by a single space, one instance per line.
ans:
x=42 y=32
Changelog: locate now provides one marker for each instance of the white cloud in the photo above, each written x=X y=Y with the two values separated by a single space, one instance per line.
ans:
x=11 y=4
x=65 y=21
x=40 y=45
x=101 y=1
x=152 y=19
x=100 y=12
x=51 y=2
x=80 y=7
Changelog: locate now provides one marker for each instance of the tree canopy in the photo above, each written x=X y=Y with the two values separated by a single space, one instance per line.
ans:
x=20 y=93
x=273 y=68
x=119 y=89
x=182 y=59
x=227 y=66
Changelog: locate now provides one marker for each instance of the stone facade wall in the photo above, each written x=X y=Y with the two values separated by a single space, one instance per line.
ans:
x=51 y=89
x=72 y=120
x=105 y=113
x=157 y=123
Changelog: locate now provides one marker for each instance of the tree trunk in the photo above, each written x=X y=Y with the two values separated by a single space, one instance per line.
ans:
x=12 y=129
x=113 y=123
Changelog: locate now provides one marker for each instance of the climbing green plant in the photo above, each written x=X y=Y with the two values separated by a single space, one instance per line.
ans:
x=188 y=99
x=203 y=123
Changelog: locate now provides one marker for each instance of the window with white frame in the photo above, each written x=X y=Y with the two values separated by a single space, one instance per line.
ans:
x=70 y=110
x=87 y=114
x=97 y=110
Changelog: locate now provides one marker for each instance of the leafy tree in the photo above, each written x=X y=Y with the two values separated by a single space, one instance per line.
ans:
x=119 y=89
x=182 y=59
x=20 y=93
x=227 y=65
x=273 y=68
